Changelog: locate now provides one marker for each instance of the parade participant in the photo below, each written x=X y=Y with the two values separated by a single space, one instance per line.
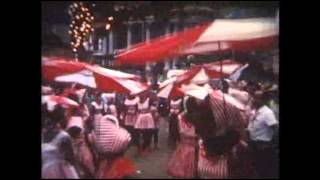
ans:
x=222 y=153
x=130 y=117
x=97 y=107
x=156 y=117
x=224 y=157
x=109 y=107
x=83 y=155
x=262 y=131
x=183 y=161
x=111 y=141
x=57 y=152
x=145 y=122
x=175 y=109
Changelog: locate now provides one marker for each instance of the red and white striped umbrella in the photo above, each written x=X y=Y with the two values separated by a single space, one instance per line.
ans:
x=93 y=76
x=52 y=68
x=220 y=35
x=53 y=100
x=170 y=91
x=201 y=74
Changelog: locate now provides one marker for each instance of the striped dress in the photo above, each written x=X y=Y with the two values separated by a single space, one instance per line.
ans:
x=183 y=161
x=145 y=118
x=226 y=117
x=216 y=168
x=233 y=165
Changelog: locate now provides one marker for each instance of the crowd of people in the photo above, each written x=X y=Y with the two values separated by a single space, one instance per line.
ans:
x=211 y=139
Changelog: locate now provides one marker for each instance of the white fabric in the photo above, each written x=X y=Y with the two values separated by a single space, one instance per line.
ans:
x=260 y=127
x=241 y=96
x=129 y=102
x=168 y=81
x=235 y=76
x=202 y=48
x=165 y=92
x=134 y=86
x=175 y=72
x=200 y=77
x=196 y=91
x=114 y=73
x=226 y=68
x=239 y=29
x=84 y=77
x=144 y=105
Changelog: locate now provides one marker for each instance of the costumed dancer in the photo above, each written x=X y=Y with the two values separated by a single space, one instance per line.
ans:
x=183 y=161
x=130 y=117
x=175 y=109
x=145 y=122
x=111 y=142
x=156 y=117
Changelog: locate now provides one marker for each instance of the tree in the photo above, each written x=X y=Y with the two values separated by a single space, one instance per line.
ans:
x=81 y=24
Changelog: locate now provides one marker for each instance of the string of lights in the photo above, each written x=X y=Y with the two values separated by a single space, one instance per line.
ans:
x=81 y=24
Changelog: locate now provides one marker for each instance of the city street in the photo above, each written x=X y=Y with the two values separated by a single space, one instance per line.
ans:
x=109 y=69
x=154 y=165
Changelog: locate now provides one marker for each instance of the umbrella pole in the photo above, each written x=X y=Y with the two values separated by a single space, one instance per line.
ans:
x=221 y=72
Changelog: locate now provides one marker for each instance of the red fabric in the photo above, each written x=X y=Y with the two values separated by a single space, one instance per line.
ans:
x=105 y=81
x=255 y=44
x=187 y=43
x=109 y=84
x=119 y=169
x=186 y=77
x=52 y=69
x=176 y=92
x=160 y=48
x=184 y=120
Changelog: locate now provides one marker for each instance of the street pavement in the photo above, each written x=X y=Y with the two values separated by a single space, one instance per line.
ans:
x=154 y=164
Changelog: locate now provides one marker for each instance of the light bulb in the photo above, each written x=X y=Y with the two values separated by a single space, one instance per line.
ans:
x=108 y=26
x=110 y=18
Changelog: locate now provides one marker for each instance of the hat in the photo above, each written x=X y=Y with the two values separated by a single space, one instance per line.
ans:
x=110 y=137
x=75 y=121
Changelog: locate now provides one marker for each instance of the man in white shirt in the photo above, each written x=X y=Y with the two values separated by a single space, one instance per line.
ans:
x=262 y=131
